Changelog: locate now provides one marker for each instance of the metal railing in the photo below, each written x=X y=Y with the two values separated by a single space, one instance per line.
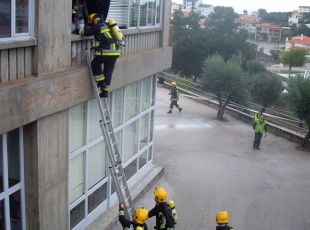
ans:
x=275 y=117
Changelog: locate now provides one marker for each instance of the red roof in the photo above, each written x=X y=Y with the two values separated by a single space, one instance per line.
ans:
x=268 y=25
x=305 y=40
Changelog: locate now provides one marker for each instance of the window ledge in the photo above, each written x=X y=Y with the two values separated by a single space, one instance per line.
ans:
x=17 y=43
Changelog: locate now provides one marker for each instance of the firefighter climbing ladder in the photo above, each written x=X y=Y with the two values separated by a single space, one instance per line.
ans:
x=116 y=168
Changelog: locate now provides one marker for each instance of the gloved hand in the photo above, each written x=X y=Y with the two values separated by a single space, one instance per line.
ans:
x=121 y=209
x=78 y=31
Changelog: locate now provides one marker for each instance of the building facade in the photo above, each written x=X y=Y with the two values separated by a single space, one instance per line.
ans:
x=54 y=168
x=268 y=31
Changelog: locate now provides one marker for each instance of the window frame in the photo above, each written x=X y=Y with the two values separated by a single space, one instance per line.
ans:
x=21 y=36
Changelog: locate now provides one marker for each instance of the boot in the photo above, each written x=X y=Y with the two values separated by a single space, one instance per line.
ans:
x=101 y=84
x=180 y=109
x=170 y=111
x=104 y=94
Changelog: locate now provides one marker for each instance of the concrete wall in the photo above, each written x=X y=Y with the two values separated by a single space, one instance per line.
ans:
x=34 y=98
x=46 y=172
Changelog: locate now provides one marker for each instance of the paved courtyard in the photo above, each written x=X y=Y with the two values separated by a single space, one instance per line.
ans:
x=210 y=166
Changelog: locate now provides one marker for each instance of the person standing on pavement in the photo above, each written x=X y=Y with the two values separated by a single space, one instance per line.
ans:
x=174 y=98
x=259 y=126
x=162 y=211
x=138 y=219
x=257 y=115
x=222 y=220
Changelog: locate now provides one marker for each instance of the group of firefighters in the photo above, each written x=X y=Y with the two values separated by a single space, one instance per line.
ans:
x=165 y=214
x=110 y=41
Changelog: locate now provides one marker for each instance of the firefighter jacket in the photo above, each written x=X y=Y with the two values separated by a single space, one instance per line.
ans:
x=174 y=94
x=164 y=219
x=224 y=227
x=130 y=225
x=260 y=126
x=103 y=35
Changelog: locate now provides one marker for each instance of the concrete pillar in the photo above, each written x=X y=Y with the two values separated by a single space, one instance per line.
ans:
x=46 y=172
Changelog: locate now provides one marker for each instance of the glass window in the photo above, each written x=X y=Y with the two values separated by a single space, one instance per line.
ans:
x=77 y=177
x=18 y=23
x=97 y=197
x=94 y=130
x=132 y=95
x=118 y=105
x=131 y=140
x=144 y=131
x=134 y=13
x=142 y=159
x=77 y=127
x=12 y=181
x=77 y=214
x=144 y=12
x=96 y=164
x=145 y=93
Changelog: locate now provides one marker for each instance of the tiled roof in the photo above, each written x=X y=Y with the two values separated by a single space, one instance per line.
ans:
x=268 y=25
x=305 y=40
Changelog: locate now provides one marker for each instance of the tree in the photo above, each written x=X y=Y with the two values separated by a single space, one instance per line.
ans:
x=303 y=29
x=222 y=20
x=182 y=26
x=296 y=57
x=190 y=52
x=299 y=94
x=225 y=79
x=255 y=67
x=266 y=89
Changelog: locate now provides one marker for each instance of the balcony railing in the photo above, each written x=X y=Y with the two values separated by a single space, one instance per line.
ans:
x=16 y=63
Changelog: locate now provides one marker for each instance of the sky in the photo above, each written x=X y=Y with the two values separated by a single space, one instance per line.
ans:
x=269 y=5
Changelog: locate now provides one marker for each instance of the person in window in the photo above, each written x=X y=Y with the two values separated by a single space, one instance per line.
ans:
x=79 y=15
x=99 y=7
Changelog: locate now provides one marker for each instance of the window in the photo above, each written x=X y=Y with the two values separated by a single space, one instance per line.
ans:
x=12 y=195
x=15 y=17
x=141 y=12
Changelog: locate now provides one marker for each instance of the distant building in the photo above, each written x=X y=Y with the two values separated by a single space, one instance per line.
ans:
x=298 y=41
x=175 y=6
x=250 y=18
x=272 y=31
x=296 y=16
x=304 y=9
x=197 y=6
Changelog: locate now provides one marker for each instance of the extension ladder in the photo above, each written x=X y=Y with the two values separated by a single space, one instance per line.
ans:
x=116 y=168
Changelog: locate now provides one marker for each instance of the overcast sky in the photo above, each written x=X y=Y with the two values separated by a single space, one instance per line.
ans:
x=269 y=5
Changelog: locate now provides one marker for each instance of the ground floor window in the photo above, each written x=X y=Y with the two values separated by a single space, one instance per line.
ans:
x=12 y=192
x=91 y=190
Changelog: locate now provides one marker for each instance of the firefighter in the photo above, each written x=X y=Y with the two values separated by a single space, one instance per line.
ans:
x=162 y=211
x=174 y=97
x=107 y=51
x=138 y=219
x=222 y=220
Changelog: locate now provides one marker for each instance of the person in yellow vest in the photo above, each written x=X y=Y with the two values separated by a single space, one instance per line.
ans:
x=260 y=127
x=222 y=220
x=138 y=219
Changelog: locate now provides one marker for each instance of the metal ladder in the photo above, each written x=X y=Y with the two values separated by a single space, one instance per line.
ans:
x=116 y=168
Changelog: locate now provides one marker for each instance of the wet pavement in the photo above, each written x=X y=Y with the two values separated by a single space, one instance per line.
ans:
x=210 y=166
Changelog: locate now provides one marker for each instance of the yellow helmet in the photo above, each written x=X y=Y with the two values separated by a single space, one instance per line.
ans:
x=174 y=83
x=91 y=18
x=161 y=195
x=222 y=217
x=141 y=214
